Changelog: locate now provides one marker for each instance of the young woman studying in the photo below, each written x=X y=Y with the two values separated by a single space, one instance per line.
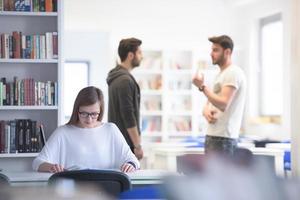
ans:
x=85 y=142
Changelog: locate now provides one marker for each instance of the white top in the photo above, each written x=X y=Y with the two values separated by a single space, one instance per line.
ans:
x=228 y=123
x=102 y=147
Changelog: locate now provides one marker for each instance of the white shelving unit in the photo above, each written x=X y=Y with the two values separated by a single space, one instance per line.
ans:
x=30 y=23
x=149 y=77
x=168 y=99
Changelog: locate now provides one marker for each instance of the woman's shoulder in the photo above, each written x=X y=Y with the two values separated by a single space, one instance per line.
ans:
x=109 y=125
x=61 y=130
x=64 y=127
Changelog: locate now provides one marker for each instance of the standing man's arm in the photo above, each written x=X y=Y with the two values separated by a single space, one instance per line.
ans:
x=128 y=117
x=222 y=100
x=136 y=140
x=209 y=114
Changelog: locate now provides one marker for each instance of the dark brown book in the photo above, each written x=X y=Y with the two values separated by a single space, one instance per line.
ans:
x=16 y=45
x=9 y=5
x=55 y=44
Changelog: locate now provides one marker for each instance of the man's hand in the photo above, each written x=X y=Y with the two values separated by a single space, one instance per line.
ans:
x=198 y=80
x=138 y=152
x=210 y=115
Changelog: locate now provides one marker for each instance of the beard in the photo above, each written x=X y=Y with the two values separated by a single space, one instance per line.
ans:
x=135 y=62
x=219 y=61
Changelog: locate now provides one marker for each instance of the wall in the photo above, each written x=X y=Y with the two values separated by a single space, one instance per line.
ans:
x=295 y=89
x=160 y=24
x=89 y=46
x=248 y=28
x=168 y=24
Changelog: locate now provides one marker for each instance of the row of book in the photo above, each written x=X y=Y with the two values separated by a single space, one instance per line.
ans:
x=27 y=92
x=180 y=64
x=152 y=104
x=151 y=124
x=152 y=83
x=17 y=45
x=152 y=63
x=180 y=124
x=29 y=5
x=180 y=103
x=21 y=136
x=183 y=84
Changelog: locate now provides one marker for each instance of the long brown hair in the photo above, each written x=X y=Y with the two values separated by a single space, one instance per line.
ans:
x=87 y=96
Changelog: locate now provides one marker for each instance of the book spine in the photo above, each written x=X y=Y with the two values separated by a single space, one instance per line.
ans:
x=49 y=46
x=27 y=135
x=42 y=6
x=1 y=95
x=7 y=137
x=54 y=3
x=0 y=42
x=13 y=136
x=18 y=5
x=43 y=46
x=2 y=136
x=27 y=5
x=10 y=46
x=1 y=8
x=33 y=146
x=3 y=91
x=16 y=45
x=28 y=46
x=55 y=45
x=48 y=5
x=23 y=46
x=11 y=94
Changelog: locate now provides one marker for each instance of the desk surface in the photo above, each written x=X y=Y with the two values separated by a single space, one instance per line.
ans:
x=137 y=177
x=166 y=157
x=184 y=150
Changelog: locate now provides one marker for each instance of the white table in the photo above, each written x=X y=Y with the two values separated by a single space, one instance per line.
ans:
x=166 y=158
x=140 y=177
x=284 y=146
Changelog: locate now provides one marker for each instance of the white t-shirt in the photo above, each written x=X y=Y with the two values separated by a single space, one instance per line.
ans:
x=102 y=147
x=229 y=122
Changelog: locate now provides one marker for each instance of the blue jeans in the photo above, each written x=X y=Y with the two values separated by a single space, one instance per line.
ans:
x=220 y=145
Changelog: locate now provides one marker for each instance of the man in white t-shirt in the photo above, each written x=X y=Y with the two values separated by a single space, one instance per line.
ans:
x=226 y=100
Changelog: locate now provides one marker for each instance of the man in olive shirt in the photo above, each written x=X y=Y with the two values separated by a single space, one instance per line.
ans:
x=124 y=94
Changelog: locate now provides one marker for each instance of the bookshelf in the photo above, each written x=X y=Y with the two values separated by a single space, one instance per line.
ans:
x=178 y=99
x=38 y=64
x=149 y=77
x=169 y=102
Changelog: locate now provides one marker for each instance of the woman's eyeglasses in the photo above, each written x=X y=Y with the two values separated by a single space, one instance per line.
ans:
x=93 y=115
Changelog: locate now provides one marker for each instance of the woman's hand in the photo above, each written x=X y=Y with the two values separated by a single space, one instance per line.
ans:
x=49 y=167
x=127 y=167
x=56 y=168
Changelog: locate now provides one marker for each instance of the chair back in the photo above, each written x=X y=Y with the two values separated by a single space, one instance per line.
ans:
x=4 y=180
x=112 y=182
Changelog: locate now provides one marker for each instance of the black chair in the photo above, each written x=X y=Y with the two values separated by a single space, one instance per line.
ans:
x=4 y=180
x=112 y=182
